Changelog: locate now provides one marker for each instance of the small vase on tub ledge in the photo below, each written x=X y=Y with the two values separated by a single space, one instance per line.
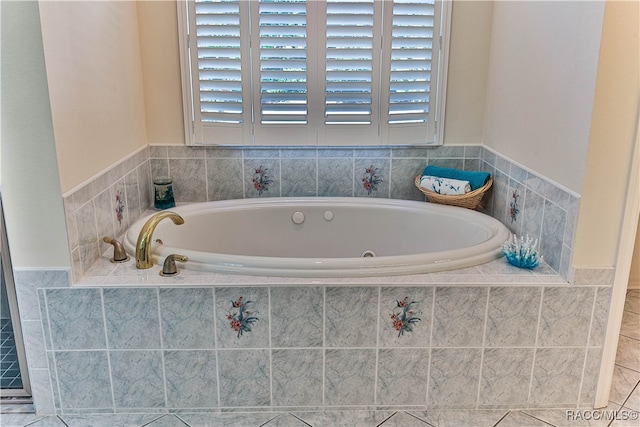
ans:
x=522 y=252
x=163 y=193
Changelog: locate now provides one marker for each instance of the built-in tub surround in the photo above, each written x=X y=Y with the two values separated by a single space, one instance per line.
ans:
x=319 y=237
x=528 y=203
x=489 y=336
x=525 y=202
x=105 y=207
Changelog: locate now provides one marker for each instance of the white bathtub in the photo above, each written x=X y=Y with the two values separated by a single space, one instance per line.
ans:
x=325 y=237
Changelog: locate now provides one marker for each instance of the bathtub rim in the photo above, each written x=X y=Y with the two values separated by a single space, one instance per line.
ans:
x=395 y=265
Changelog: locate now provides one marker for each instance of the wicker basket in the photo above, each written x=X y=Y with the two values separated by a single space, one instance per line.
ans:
x=469 y=200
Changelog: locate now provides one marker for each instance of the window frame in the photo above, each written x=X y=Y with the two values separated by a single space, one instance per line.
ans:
x=314 y=134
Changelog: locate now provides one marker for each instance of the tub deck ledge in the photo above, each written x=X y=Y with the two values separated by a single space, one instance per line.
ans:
x=106 y=274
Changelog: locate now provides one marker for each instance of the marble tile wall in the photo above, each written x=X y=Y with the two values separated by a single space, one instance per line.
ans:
x=227 y=347
x=30 y=286
x=106 y=206
x=220 y=173
x=473 y=346
x=527 y=203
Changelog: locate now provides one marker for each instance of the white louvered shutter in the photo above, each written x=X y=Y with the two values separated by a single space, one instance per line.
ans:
x=283 y=61
x=219 y=59
x=281 y=72
x=411 y=58
x=301 y=72
x=351 y=66
x=349 y=62
x=411 y=54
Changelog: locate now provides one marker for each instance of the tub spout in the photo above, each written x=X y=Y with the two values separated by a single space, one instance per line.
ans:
x=143 y=247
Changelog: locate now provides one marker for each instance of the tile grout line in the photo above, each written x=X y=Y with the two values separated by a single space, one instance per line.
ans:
x=162 y=350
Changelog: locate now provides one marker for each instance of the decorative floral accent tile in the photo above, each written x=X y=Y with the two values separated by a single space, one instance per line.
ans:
x=261 y=180
x=514 y=210
x=404 y=316
x=370 y=179
x=119 y=206
x=240 y=316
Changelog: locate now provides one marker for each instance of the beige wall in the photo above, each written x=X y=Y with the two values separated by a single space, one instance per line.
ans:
x=542 y=74
x=612 y=137
x=94 y=70
x=468 y=61
x=158 y=26
x=114 y=77
x=31 y=188
x=114 y=84
x=634 y=275
x=468 y=67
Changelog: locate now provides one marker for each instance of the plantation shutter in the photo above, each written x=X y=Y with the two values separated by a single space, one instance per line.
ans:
x=410 y=60
x=219 y=61
x=300 y=72
x=280 y=46
x=283 y=61
x=411 y=54
x=349 y=62
x=219 y=53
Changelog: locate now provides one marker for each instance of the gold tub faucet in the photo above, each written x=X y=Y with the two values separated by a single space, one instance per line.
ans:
x=143 y=247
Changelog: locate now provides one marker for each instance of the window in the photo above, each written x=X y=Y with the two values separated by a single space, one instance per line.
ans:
x=317 y=72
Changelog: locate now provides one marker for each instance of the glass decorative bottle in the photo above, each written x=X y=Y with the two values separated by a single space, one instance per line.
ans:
x=163 y=190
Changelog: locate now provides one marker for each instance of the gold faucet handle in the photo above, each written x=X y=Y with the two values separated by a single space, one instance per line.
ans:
x=119 y=254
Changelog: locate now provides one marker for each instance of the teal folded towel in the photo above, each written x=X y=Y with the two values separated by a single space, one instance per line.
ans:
x=476 y=179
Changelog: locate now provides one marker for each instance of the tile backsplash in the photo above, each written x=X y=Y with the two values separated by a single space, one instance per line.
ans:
x=526 y=202
x=215 y=173
x=106 y=206
x=491 y=336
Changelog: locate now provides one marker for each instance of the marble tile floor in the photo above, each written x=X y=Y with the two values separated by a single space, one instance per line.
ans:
x=436 y=418
x=9 y=369
x=623 y=409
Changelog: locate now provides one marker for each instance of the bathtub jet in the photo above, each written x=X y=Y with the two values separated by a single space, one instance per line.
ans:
x=325 y=237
